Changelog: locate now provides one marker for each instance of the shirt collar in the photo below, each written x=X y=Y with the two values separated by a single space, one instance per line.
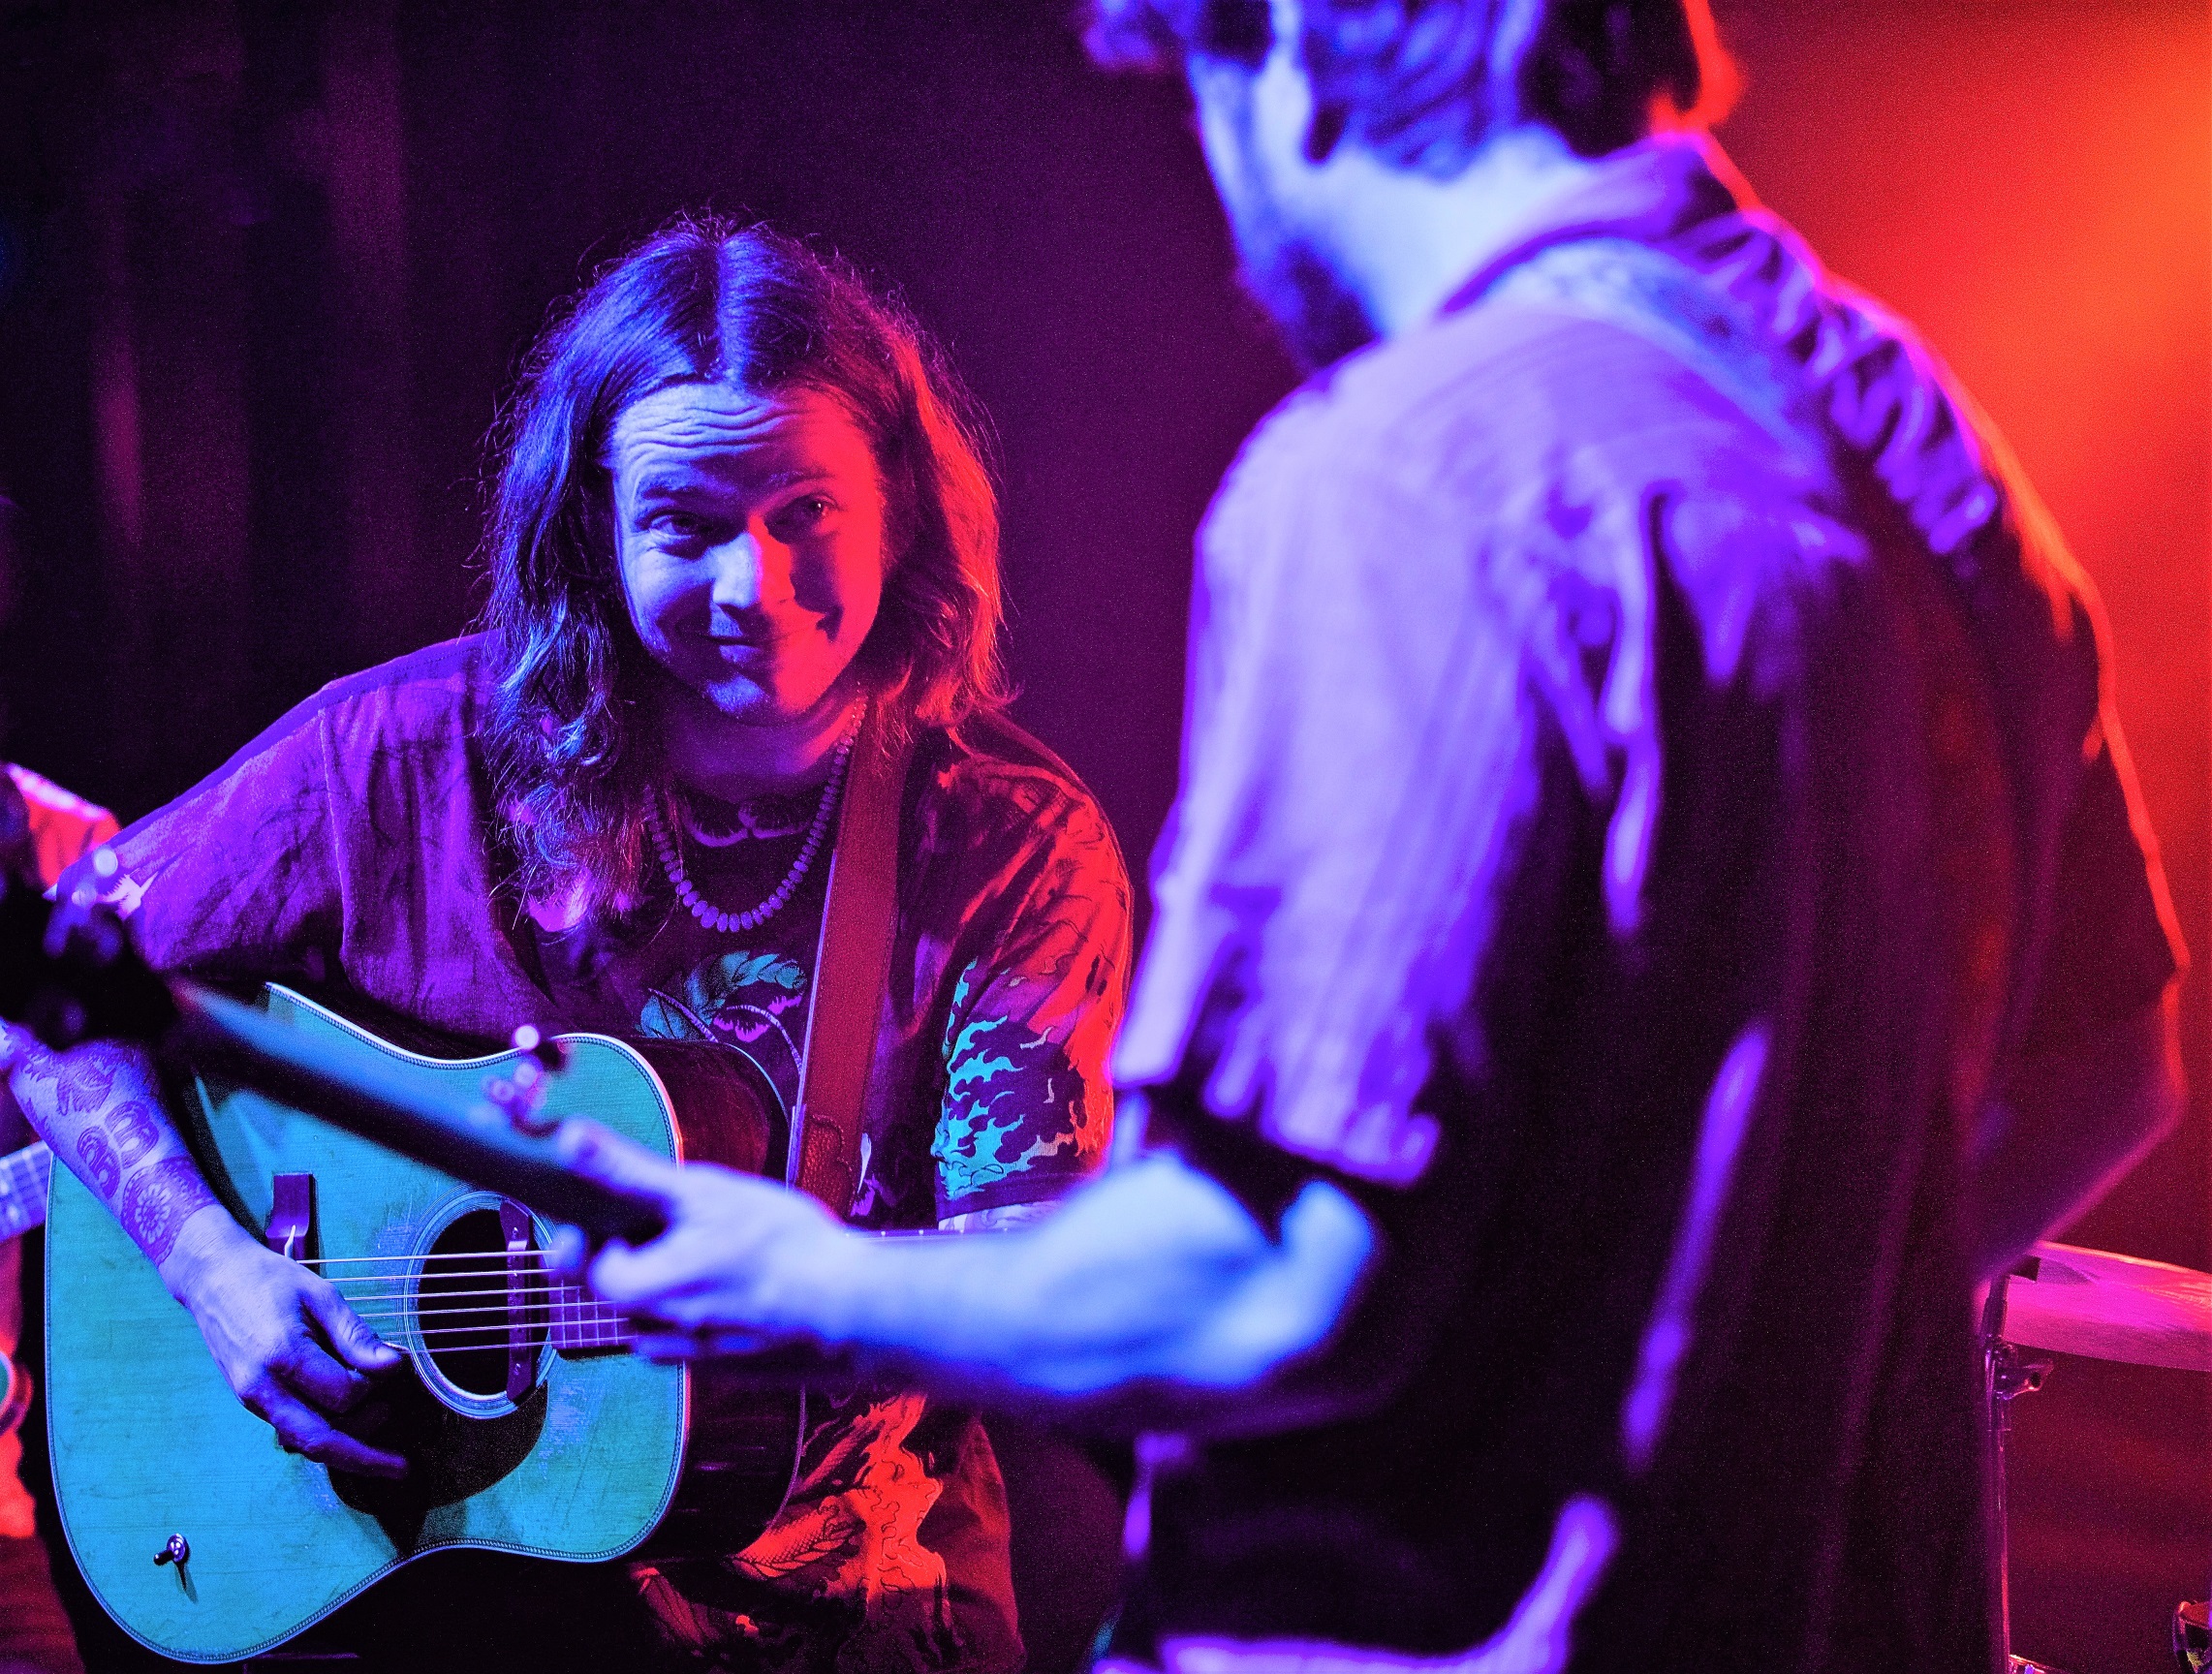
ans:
x=1649 y=192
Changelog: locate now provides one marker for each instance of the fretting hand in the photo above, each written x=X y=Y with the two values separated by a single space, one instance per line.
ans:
x=746 y=1268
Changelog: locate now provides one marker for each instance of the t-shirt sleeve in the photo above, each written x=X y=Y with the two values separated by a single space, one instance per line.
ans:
x=2112 y=944
x=237 y=878
x=1028 y=1109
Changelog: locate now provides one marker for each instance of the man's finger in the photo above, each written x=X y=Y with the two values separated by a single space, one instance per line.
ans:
x=349 y=1335
x=569 y=1254
x=307 y=1372
x=607 y=1157
x=662 y=1271
x=309 y=1434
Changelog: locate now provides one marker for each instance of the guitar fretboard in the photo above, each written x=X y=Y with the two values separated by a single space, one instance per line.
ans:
x=579 y=1321
x=23 y=1178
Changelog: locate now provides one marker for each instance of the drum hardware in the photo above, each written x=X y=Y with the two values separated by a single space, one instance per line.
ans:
x=2107 y=1307
x=2193 y=1637
x=2103 y=1307
x=2006 y=1376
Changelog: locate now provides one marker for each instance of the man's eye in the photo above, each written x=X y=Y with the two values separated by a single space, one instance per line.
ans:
x=803 y=514
x=682 y=525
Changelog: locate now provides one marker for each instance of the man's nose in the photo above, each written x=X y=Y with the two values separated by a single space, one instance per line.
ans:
x=747 y=571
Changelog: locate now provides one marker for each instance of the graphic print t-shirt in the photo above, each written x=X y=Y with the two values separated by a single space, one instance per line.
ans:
x=348 y=851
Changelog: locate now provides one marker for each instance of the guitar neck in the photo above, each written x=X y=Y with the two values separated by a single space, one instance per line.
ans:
x=406 y=1107
x=23 y=1177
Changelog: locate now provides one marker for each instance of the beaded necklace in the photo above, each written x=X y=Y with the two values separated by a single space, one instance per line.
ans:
x=713 y=918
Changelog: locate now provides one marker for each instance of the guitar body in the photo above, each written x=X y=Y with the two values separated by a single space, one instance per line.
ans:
x=531 y=1430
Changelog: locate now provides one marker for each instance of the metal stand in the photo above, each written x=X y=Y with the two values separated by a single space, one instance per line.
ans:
x=2005 y=1377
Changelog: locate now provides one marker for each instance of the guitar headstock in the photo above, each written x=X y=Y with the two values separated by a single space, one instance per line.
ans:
x=518 y=1092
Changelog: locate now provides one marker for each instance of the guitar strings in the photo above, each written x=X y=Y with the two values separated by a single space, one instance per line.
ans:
x=533 y=1252
x=477 y=1308
x=388 y=1308
x=563 y=1306
x=432 y=1299
x=540 y=1322
x=574 y=1300
x=535 y=1275
x=481 y=1336
x=598 y=1330
x=441 y=1313
x=438 y=1304
x=612 y=1340
x=538 y=1329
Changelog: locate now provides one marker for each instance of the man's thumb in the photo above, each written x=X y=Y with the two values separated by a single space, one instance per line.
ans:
x=350 y=1335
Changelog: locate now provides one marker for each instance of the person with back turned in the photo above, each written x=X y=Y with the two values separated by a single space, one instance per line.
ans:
x=1657 y=908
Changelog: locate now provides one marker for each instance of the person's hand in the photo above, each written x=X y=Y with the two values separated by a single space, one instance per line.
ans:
x=290 y=1347
x=745 y=1267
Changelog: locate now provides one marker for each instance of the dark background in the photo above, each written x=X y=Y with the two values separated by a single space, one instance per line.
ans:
x=266 y=267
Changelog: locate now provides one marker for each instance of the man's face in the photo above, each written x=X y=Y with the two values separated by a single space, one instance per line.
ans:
x=749 y=534
x=1252 y=126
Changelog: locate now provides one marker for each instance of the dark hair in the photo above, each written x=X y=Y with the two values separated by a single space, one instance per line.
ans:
x=703 y=300
x=1422 y=82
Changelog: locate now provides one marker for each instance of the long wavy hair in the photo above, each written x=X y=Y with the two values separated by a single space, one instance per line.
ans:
x=703 y=300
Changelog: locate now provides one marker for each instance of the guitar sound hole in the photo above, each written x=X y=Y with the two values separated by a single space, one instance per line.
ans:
x=461 y=1305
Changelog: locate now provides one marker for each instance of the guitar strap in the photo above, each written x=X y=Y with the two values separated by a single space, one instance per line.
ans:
x=850 y=964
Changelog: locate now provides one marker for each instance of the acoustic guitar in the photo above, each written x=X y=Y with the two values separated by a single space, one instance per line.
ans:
x=528 y=1428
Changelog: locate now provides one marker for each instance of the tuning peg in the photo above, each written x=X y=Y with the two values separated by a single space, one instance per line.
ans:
x=544 y=1050
x=521 y=1092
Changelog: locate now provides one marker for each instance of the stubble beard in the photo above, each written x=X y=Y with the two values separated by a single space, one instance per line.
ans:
x=1314 y=312
x=1318 y=320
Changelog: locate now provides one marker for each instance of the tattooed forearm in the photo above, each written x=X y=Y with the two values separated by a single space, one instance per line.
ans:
x=80 y=1083
x=158 y=1200
x=99 y=1107
x=100 y=1167
x=136 y=1133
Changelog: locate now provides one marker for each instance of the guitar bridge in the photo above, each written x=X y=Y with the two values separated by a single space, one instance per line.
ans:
x=516 y=1233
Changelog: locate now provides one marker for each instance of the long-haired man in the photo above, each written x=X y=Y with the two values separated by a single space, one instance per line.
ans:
x=740 y=509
